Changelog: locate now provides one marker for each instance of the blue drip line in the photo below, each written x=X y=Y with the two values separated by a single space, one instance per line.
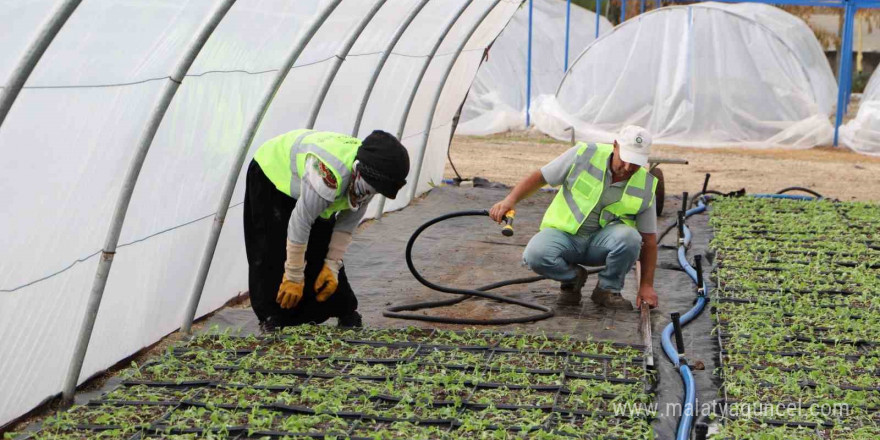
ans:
x=690 y=400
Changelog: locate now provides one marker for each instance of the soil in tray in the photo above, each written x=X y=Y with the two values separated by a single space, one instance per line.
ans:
x=216 y=358
x=519 y=418
x=466 y=338
x=239 y=397
x=349 y=385
x=342 y=350
x=618 y=368
x=517 y=397
x=599 y=387
x=421 y=411
x=129 y=417
x=305 y=424
x=287 y=363
x=778 y=377
x=398 y=430
x=519 y=378
x=257 y=379
x=795 y=393
x=73 y=434
x=390 y=336
x=172 y=371
x=470 y=358
x=750 y=429
x=144 y=393
x=210 y=418
x=224 y=342
x=522 y=361
x=586 y=427
x=832 y=364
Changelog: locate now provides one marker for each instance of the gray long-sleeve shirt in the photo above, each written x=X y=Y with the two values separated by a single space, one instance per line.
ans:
x=316 y=196
x=557 y=170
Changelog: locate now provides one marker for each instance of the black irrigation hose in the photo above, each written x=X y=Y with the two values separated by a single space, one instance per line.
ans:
x=802 y=189
x=393 y=312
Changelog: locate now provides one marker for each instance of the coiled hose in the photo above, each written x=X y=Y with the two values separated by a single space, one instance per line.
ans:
x=395 y=312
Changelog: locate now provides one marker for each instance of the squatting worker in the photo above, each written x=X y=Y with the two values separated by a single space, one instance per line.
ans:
x=305 y=194
x=604 y=214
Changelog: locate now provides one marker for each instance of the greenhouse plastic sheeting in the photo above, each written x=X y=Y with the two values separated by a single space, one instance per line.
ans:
x=497 y=99
x=704 y=75
x=862 y=133
x=71 y=134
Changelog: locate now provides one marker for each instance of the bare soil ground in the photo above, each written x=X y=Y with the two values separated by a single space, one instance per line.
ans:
x=833 y=172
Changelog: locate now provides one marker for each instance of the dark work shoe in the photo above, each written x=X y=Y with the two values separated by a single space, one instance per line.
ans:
x=609 y=299
x=268 y=326
x=570 y=292
x=353 y=319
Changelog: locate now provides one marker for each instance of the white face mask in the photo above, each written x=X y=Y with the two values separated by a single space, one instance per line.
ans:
x=359 y=191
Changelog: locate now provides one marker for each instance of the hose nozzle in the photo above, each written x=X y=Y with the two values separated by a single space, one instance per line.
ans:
x=507 y=230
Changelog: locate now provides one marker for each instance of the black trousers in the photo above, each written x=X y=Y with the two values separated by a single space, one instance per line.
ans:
x=266 y=216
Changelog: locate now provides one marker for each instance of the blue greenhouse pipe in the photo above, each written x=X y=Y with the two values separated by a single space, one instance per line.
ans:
x=598 y=11
x=567 y=32
x=622 y=11
x=686 y=421
x=642 y=7
x=529 y=67
x=844 y=77
x=690 y=402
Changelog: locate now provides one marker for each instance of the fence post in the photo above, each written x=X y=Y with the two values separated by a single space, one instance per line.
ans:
x=567 y=32
x=529 y=68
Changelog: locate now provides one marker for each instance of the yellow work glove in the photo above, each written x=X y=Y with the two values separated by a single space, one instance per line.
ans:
x=289 y=293
x=328 y=279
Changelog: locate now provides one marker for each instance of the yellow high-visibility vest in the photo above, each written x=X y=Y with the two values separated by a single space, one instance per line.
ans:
x=583 y=187
x=283 y=160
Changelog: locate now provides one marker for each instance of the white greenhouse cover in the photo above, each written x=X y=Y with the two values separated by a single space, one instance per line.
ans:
x=862 y=133
x=72 y=131
x=497 y=100
x=704 y=75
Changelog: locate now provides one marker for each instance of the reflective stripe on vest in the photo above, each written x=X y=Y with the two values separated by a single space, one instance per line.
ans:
x=283 y=161
x=582 y=190
x=637 y=196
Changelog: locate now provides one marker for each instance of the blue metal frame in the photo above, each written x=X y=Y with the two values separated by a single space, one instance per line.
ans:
x=567 y=32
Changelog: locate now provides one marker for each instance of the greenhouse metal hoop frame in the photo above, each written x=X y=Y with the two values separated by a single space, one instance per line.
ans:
x=63 y=11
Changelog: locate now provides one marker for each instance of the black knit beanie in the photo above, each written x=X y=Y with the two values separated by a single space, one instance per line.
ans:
x=383 y=163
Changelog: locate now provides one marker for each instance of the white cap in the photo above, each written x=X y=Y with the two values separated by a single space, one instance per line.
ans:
x=635 y=145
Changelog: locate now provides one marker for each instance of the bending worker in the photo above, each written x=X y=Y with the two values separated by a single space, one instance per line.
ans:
x=603 y=215
x=306 y=192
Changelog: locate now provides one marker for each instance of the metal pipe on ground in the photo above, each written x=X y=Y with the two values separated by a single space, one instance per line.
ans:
x=435 y=101
x=131 y=177
x=32 y=56
x=412 y=95
x=241 y=154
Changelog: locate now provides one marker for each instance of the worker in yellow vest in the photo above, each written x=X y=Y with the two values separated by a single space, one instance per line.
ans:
x=603 y=215
x=306 y=191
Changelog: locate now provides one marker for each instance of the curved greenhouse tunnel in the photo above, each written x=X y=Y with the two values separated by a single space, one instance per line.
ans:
x=90 y=96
